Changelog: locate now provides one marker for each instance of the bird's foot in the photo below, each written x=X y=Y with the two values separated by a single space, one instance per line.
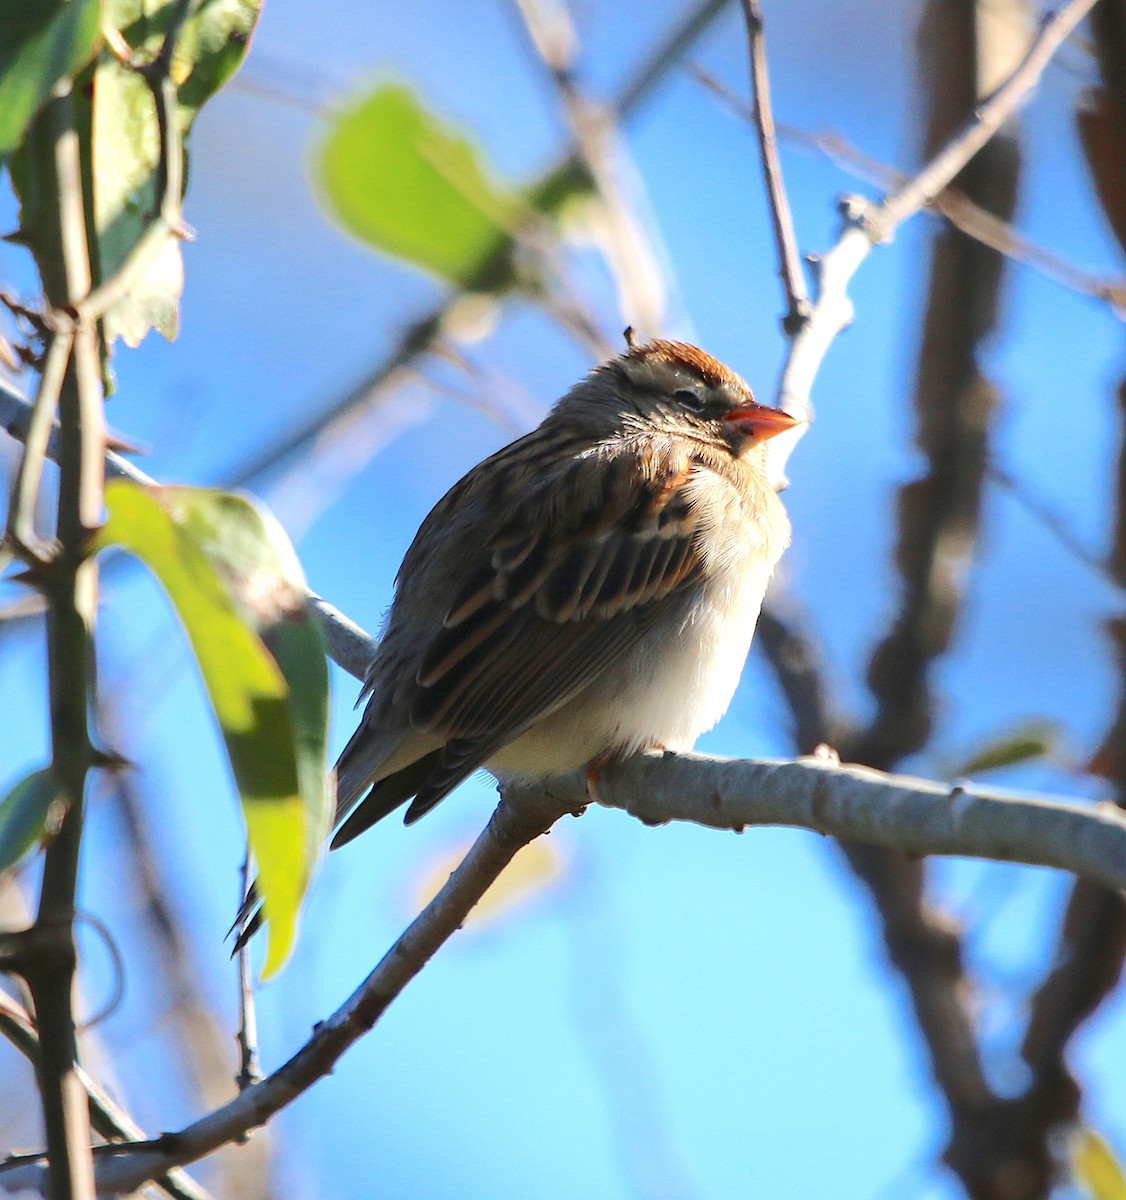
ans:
x=593 y=777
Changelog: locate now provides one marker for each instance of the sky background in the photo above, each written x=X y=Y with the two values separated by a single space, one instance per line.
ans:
x=680 y=1013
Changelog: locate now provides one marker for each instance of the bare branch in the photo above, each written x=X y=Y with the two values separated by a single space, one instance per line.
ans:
x=125 y=1169
x=348 y=645
x=857 y=803
x=847 y=802
x=38 y=436
x=951 y=204
x=1053 y=521
x=16 y=416
x=633 y=264
x=882 y=221
x=249 y=1070
x=105 y=1116
x=866 y=225
x=789 y=264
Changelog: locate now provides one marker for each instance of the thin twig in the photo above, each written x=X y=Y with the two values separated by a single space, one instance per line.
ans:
x=950 y=204
x=422 y=333
x=865 y=225
x=200 y=1046
x=21 y=514
x=633 y=265
x=16 y=413
x=1054 y=522
x=789 y=264
x=349 y=646
x=882 y=221
x=249 y=1068
x=110 y=1121
x=127 y=1168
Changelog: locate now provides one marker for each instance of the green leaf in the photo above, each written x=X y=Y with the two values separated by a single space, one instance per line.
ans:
x=116 y=121
x=1024 y=742
x=400 y=179
x=1095 y=1167
x=126 y=143
x=237 y=587
x=125 y=154
x=29 y=814
x=42 y=43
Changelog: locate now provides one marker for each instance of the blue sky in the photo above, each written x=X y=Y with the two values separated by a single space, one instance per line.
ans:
x=685 y=1014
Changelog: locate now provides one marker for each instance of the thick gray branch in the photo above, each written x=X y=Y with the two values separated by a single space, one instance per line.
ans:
x=859 y=804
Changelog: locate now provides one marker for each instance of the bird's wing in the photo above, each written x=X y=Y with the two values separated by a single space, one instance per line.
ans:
x=591 y=553
x=586 y=564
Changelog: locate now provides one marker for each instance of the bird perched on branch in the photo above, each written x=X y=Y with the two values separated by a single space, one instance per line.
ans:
x=586 y=592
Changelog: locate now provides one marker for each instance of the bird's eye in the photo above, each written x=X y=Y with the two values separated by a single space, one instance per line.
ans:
x=689 y=399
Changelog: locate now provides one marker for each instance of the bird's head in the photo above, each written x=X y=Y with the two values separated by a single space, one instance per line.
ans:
x=675 y=388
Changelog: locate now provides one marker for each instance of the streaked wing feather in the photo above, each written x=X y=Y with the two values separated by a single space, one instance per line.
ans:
x=564 y=603
x=386 y=796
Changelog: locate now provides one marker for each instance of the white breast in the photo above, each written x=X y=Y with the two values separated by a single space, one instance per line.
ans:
x=678 y=681
x=681 y=690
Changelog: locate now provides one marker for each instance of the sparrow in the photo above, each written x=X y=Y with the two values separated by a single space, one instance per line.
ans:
x=586 y=592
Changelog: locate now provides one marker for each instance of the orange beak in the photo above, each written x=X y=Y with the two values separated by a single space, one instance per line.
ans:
x=760 y=422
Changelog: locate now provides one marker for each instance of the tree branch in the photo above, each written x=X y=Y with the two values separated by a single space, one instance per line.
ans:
x=847 y=802
x=952 y=204
x=348 y=645
x=882 y=221
x=865 y=225
x=105 y=1116
x=69 y=580
x=632 y=264
x=789 y=264
x=122 y=1169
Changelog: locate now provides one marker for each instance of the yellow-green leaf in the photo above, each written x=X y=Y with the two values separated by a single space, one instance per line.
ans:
x=236 y=585
x=1095 y=1167
x=534 y=869
x=1024 y=742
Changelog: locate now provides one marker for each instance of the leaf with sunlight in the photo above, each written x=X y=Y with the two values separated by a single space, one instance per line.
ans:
x=534 y=869
x=236 y=585
x=42 y=44
x=399 y=178
x=1095 y=1167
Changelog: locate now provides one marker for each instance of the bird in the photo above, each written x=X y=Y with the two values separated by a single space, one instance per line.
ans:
x=588 y=591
